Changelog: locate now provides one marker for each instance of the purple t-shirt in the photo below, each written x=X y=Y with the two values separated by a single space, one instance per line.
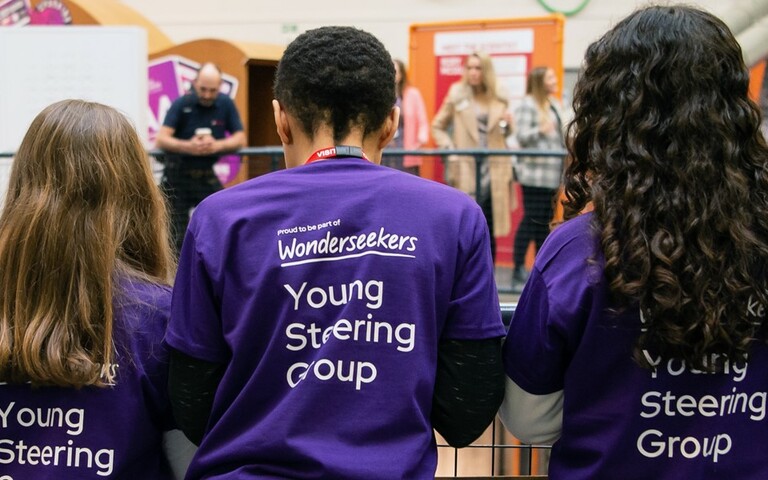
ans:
x=325 y=289
x=94 y=433
x=621 y=420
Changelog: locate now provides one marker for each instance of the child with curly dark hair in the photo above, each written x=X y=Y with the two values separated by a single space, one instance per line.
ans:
x=639 y=342
x=328 y=316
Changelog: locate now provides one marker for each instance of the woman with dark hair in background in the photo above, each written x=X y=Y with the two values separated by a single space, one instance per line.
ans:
x=413 y=129
x=85 y=271
x=639 y=343
x=538 y=126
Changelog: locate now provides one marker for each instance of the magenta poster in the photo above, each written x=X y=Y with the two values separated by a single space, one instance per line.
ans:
x=163 y=88
x=17 y=13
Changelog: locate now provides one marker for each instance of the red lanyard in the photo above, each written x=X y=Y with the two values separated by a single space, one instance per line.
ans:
x=337 y=151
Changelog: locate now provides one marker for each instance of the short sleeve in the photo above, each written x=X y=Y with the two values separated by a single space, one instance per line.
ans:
x=195 y=324
x=534 y=350
x=143 y=310
x=172 y=116
x=234 y=124
x=156 y=368
x=474 y=311
x=563 y=296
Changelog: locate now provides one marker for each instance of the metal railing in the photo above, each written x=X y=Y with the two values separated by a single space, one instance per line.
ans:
x=276 y=162
x=275 y=153
x=525 y=459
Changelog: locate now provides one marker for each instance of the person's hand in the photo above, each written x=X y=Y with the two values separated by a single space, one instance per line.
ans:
x=547 y=127
x=203 y=145
x=506 y=123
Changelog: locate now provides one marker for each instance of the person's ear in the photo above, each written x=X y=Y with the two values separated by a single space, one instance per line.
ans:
x=281 y=122
x=390 y=127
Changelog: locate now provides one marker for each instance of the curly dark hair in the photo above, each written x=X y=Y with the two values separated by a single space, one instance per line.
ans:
x=665 y=144
x=341 y=76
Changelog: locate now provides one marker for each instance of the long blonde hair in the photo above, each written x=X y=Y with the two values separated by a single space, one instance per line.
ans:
x=489 y=74
x=82 y=209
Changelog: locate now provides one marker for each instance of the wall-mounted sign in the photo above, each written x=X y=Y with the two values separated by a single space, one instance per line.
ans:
x=20 y=12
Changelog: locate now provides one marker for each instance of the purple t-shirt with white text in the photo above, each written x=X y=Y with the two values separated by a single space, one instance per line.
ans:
x=94 y=433
x=325 y=289
x=621 y=420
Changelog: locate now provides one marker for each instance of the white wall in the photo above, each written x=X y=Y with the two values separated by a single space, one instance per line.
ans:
x=279 y=21
x=98 y=64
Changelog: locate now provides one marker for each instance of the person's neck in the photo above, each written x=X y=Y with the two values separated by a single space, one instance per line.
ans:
x=544 y=102
x=479 y=90
x=304 y=147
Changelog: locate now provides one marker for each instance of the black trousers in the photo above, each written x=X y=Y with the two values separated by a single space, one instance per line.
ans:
x=185 y=189
x=538 y=210
x=484 y=200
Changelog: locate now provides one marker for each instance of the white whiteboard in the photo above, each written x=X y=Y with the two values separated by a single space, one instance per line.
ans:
x=44 y=64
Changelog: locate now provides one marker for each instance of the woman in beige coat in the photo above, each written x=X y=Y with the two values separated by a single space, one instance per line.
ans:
x=476 y=113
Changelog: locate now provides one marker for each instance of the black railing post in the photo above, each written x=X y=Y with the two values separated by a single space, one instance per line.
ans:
x=478 y=177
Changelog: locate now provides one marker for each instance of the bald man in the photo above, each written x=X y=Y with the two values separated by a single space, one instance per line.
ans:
x=194 y=135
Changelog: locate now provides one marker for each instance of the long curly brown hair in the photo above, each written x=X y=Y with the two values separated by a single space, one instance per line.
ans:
x=665 y=145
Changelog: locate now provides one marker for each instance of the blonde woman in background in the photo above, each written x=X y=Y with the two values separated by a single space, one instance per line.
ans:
x=413 y=129
x=539 y=126
x=476 y=111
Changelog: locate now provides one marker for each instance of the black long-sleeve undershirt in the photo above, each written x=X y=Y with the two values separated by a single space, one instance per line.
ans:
x=469 y=389
x=192 y=384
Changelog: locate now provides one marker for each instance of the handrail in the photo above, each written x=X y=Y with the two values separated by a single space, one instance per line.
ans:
x=277 y=150
x=272 y=150
x=276 y=154
x=507 y=312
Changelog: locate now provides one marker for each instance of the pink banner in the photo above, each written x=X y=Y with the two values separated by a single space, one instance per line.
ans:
x=17 y=13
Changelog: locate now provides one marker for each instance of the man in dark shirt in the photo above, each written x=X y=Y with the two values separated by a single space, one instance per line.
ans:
x=194 y=134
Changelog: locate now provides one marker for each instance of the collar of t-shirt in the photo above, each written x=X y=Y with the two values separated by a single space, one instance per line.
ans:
x=337 y=151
